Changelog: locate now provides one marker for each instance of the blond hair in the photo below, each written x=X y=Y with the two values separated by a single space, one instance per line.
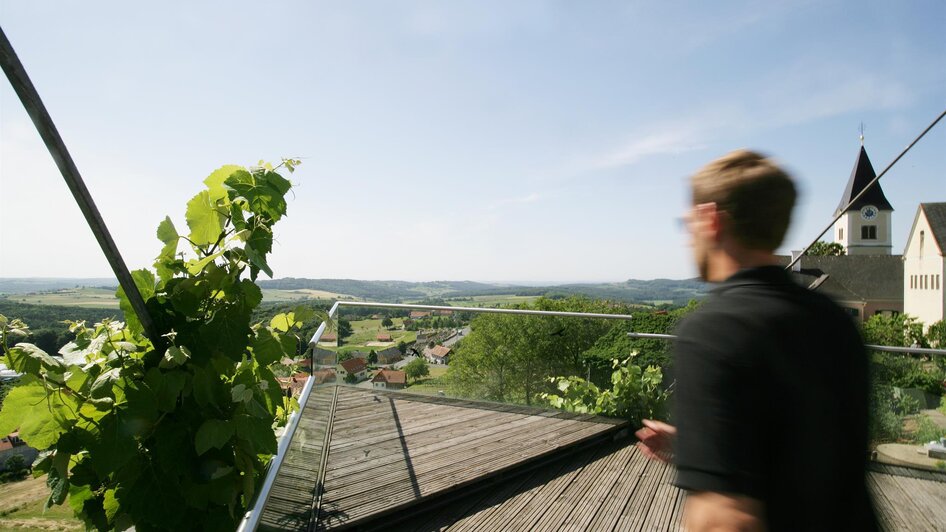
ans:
x=756 y=193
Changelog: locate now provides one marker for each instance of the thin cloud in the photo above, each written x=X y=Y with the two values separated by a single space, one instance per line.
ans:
x=505 y=202
x=664 y=143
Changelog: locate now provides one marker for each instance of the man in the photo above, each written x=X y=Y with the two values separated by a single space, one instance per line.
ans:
x=771 y=400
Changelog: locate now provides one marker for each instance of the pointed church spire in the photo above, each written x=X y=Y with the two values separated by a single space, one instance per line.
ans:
x=861 y=175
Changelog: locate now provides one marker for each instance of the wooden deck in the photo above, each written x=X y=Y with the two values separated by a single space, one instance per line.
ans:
x=615 y=487
x=389 y=450
x=407 y=462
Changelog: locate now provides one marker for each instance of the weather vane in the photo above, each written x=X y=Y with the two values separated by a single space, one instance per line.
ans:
x=861 y=129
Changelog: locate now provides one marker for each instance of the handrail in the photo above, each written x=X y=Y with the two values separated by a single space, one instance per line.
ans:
x=252 y=517
x=486 y=310
x=885 y=348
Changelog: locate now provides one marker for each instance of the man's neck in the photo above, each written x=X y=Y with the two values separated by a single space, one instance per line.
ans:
x=727 y=260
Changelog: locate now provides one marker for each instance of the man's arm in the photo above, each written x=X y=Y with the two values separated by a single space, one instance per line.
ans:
x=707 y=511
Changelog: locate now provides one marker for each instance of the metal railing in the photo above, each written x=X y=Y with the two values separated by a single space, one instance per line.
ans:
x=252 y=517
x=884 y=348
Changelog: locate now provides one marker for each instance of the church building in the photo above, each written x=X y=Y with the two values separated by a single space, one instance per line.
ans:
x=865 y=228
x=868 y=279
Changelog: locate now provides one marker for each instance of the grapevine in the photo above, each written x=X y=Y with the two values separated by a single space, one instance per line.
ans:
x=176 y=433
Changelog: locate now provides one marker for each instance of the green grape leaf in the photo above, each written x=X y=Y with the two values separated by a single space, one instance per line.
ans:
x=266 y=348
x=282 y=322
x=280 y=183
x=204 y=219
x=207 y=389
x=110 y=504
x=252 y=295
x=195 y=266
x=58 y=488
x=212 y=434
x=303 y=314
x=166 y=232
x=41 y=417
x=28 y=359
x=215 y=180
x=102 y=386
x=145 y=281
x=241 y=393
x=174 y=356
x=167 y=385
x=257 y=433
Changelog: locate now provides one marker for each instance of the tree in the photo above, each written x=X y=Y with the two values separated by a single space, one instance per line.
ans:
x=899 y=330
x=511 y=358
x=386 y=322
x=134 y=425
x=344 y=329
x=825 y=249
x=936 y=335
x=15 y=463
x=402 y=347
x=416 y=369
x=372 y=357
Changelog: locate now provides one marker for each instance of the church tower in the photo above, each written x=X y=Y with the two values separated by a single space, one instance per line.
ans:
x=865 y=227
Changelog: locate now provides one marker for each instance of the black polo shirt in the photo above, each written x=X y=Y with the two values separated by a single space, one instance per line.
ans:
x=771 y=402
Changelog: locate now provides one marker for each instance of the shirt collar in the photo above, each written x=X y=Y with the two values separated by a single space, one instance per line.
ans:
x=754 y=276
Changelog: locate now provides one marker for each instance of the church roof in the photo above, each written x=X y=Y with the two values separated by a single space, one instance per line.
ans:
x=853 y=277
x=936 y=216
x=861 y=175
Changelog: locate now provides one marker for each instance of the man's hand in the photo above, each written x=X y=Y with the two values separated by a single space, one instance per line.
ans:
x=656 y=440
x=707 y=511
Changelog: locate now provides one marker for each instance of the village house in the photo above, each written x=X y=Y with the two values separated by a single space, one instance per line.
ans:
x=329 y=338
x=390 y=379
x=439 y=355
x=417 y=314
x=356 y=367
x=12 y=445
x=389 y=355
x=383 y=337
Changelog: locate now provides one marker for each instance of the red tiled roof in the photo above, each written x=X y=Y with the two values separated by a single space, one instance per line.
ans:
x=419 y=314
x=354 y=365
x=295 y=383
x=382 y=337
x=323 y=375
x=440 y=351
x=390 y=376
x=328 y=337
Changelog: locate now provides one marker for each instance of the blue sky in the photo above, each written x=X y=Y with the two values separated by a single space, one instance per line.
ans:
x=493 y=141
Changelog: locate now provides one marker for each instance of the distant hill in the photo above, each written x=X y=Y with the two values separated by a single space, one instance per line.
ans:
x=634 y=291
x=29 y=285
x=677 y=292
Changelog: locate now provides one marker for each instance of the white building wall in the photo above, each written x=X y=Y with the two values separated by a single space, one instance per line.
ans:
x=924 y=274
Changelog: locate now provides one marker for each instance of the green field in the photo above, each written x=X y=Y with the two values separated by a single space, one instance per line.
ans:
x=431 y=384
x=277 y=295
x=491 y=301
x=21 y=508
x=71 y=297
x=105 y=297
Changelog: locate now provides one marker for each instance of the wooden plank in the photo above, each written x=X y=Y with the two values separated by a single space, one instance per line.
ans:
x=577 y=506
x=892 y=513
x=661 y=508
x=637 y=506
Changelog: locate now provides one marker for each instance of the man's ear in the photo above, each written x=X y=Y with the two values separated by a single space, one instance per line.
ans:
x=711 y=220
